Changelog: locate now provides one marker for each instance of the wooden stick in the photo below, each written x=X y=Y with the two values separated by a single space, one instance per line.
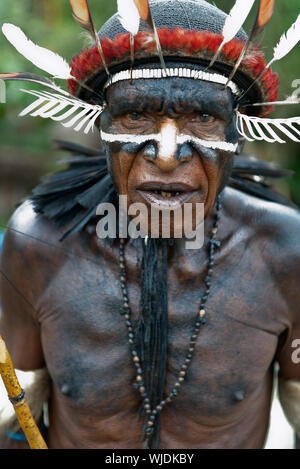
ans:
x=18 y=399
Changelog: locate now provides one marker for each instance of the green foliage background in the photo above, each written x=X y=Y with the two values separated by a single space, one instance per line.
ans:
x=50 y=24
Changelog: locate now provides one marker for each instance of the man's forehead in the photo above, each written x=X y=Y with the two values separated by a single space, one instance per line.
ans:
x=183 y=94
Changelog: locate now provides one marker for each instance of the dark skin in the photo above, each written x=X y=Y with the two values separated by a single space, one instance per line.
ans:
x=66 y=312
x=202 y=110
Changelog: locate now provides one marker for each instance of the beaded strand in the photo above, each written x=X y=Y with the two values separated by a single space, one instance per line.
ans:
x=125 y=311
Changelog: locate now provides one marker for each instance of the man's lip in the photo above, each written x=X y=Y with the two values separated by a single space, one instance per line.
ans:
x=173 y=202
x=161 y=186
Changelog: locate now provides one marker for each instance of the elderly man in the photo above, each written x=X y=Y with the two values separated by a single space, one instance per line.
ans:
x=184 y=338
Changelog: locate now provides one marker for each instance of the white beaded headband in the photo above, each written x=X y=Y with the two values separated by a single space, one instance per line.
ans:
x=150 y=73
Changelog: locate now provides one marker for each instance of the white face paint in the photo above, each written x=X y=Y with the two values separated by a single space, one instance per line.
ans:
x=162 y=139
x=168 y=140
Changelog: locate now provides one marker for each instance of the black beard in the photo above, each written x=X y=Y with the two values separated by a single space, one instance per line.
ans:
x=151 y=335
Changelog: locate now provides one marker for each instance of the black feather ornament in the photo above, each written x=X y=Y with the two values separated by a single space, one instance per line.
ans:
x=70 y=197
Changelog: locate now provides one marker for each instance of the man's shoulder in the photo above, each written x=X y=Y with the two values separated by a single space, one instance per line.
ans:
x=27 y=228
x=32 y=240
x=276 y=224
x=26 y=248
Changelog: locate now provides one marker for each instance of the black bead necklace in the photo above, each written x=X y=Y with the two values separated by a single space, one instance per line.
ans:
x=151 y=414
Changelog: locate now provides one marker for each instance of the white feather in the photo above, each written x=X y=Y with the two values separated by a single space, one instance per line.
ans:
x=233 y=24
x=263 y=128
x=42 y=58
x=287 y=41
x=129 y=16
x=59 y=108
x=236 y=18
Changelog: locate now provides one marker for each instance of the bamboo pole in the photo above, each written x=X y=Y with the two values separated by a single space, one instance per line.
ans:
x=17 y=398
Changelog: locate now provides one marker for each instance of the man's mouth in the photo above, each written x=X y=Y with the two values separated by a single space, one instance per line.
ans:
x=166 y=195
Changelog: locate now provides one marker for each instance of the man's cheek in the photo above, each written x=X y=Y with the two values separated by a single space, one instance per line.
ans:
x=119 y=164
x=110 y=166
x=110 y=163
x=231 y=132
x=217 y=165
x=227 y=163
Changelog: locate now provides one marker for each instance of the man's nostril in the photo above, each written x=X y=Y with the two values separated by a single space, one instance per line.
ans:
x=184 y=152
x=150 y=150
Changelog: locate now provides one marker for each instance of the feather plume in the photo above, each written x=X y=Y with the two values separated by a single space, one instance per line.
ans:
x=82 y=15
x=146 y=14
x=42 y=58
x=129 y=16
x=286 y=43
x=143 y=8
x=264 y=14
x=289 y=100
x=267 y=129
x=236 y=18
x=258 y=189
x=30 y=77
x=233 y=23
x=131 y=11
x=248 y=164
x=51 y=105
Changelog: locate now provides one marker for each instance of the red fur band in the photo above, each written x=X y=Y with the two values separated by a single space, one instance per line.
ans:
x=177 y=42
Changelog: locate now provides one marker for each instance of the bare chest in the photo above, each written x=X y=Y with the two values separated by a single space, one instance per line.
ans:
x=85 y=339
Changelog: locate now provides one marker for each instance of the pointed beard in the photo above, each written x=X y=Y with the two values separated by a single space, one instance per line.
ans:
x=152 y=329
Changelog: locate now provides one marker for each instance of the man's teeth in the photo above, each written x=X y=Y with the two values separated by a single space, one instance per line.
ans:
x=166 y=194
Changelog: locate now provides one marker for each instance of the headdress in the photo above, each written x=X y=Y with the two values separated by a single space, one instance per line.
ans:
x=154 y=39
x=142 y=38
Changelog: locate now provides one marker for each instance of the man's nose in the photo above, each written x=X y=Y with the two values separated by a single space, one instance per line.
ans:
x=169 y=154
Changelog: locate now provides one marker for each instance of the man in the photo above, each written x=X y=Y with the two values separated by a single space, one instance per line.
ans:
x=193 y=349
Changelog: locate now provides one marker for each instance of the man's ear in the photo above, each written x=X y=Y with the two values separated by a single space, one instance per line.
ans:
x=241 y=144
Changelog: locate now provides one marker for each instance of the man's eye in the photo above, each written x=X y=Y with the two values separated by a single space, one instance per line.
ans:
x=134 y=116
x=206 y=118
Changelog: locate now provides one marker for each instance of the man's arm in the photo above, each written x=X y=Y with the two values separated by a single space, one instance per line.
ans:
x=19 y=325
x=289 y=379
x=281 y=253
x=289 y=353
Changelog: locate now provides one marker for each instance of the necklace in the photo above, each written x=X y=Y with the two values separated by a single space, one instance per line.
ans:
x=152 y=413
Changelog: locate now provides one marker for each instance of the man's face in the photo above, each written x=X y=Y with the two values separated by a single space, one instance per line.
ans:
x=151 y=155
